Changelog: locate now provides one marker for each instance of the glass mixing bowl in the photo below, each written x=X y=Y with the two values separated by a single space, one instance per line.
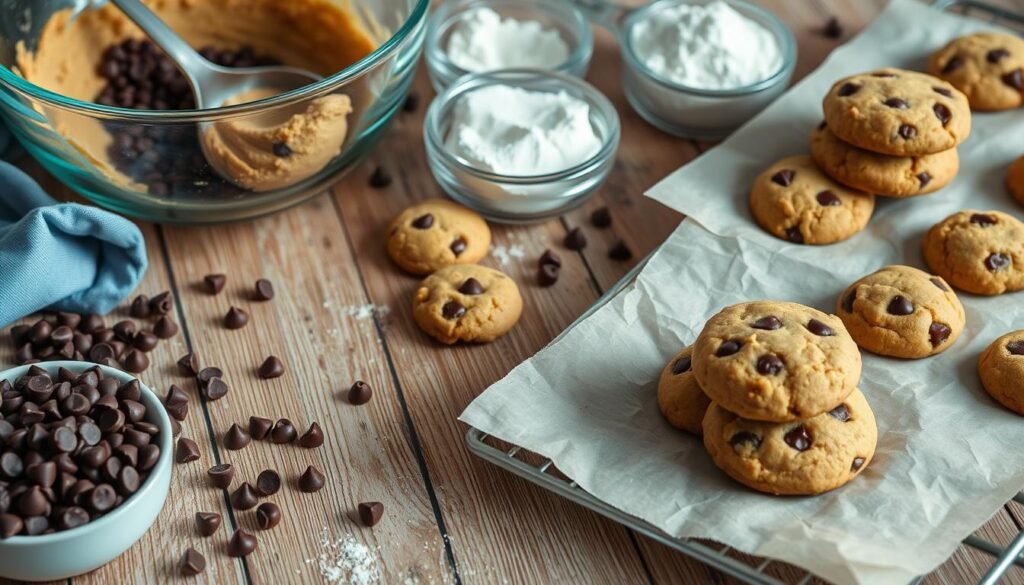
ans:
x=165 y=176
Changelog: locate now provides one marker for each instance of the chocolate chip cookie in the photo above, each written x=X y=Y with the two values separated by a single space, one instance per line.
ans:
x=776 y=361
x=980 y=252
x=898 y=112
x=1001 y=369
x=467 y=302
x=881 y=174
x=988 y=67
x=680 y=398
x=798 y=458
x=902 y=312
x=793 y=200
x=1015 y=179
x=437 y=233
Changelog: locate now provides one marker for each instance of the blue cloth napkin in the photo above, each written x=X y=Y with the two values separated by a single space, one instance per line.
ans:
x=61 y=256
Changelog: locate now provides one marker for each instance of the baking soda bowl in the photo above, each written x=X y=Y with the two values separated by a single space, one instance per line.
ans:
x=65 y=554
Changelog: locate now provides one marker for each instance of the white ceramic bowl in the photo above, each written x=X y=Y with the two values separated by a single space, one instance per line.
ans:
x=62 y=555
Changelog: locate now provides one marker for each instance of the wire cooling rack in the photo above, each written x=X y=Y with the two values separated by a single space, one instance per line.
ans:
x=541 y=471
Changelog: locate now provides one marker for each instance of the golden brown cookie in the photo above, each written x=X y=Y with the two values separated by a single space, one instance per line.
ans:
x=1015 y=179
x=881 y=174
x=902 y=312
x=793 y=200
x=680 y=398
x=898 y=112
x=436 y=233
x=798 y=458
x=776 y=361
x=466 y=302
x=1001 y=369
x=980 y=252
x=988 y=67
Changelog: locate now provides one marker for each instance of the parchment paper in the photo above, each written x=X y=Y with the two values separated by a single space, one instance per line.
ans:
x=948 y=457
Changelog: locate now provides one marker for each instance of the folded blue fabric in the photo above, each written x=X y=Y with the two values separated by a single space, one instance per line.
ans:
x=64 y=257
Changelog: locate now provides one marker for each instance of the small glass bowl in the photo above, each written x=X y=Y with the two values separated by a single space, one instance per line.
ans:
x=562 y=16
x=520 y=199
x=701 y=113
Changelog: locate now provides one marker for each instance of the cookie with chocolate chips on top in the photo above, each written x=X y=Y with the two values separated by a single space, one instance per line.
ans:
x=437 y=233
x=680 y=398
x=793 y=200
x=897 y=112
x=988 y=67
x=466 y=302
x=1001 y=369
x=798 y=458
x=980 y=252
x=903 y=312
x=776 y=361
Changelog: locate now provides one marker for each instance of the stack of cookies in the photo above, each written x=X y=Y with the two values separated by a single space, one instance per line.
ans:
x=774 y=386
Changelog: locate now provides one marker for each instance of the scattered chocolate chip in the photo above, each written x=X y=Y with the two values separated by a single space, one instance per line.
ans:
x=769 y=323
x=550 y=257
x=140 y=307
x=264 y=290
x=848 y=89
x=165 y=328
x=943 y=91
x=215 y=283
x=453 y=309
x=683 y=364
x=244 y=497
x=942 y=112
x=471 y=287
x=272 y=367
x=784 y=177
x=189 y=364
x=215 y=389
x=620 y=252
x=728 y=348
x=745 y=438
x=938 y=333
x=268 y=482
x=359 y=393
x=206 y=374
x=799 y=438
x=236 y=438
x=259 y=427
x=952 y=65
x=161 y=304
x=312 y=438
x=1015 y=78
x=412 y=102
x=984 y=220
x=311 y=480
x=840 y=413
x=1015 y=347
x=900 y=306
x=187 y=451
x=897 y=103
x=601 y=218
x=192 y=562
x=370 y=513
x=575 y=240
x=236 y=318
x=907 y=131
x=832 y=29
x=997 y=261
x=423 y=222
x=858 y=462
x=924 y=178
x=221 y=475
x=769 y=365
x=941 y=285
x=241 y=544
x=828 y=199
x=283 y=431
x=380 y=178
x=793 y=234
x=268 y=515
x=145 y=341
x=547 y=274
x=458 y=246
x=135 y=361
x=207 y=523
x=820 y=329
x=281 y=149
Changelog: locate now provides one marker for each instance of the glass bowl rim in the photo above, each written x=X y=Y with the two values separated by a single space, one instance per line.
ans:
x=414 y=20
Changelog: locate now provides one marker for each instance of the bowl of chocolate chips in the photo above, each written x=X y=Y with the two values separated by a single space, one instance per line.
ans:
x=85 y=465
x=109 y=114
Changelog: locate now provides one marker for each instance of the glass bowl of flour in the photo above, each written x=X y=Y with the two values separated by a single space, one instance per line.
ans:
x=701 y=68
x=478 y=36
x=521 y=145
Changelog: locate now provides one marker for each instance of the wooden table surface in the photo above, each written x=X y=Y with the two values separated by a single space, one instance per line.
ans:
x=450 y=518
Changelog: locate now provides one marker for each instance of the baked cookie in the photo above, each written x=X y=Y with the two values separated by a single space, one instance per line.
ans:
x=1001 y=369
x=898 y=112
x=437 y=233
x=680 y=398
x=988 y=67
x=881 y=174
x=1015 y=179
x=902 y=312
x=980 y=252
x=467 y=302
x=798 y=458
x=795 y=201
x=776 y=361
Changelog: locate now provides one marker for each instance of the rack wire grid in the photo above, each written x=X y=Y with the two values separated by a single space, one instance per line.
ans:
x=541 y=471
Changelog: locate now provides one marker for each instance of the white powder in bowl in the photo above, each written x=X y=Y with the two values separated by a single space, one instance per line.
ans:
x=708 y=46
x=483 y=41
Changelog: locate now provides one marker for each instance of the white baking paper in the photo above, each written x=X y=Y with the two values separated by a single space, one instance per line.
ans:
x=948 y=457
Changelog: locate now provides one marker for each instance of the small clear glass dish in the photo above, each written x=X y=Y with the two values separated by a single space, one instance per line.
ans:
x=693 y=112
x=520 y=199
x=570 y=22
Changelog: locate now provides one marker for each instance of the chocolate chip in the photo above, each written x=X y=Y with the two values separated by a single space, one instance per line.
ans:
x=192 y=563
x=829 y=199
x=370 y=513
x=943 y=91
x=73 y=517
x=215 y=389
x=268 y=515
x=264 y=290
x=907 y=131
x=942 y=112
x=924 y=178
x=601 y=217
x=996 y=262
x=139 y=307
x=897 y=103
x=996 y=55
x=423 y=222
x=272 y=367
x=683 y=364
x=620 y=252
x=938 y=333
x=207 y=523
x=215 y=283
x=799 y=438
x=161 y=304
x=769 y=323
x=900 y=305
x=380 y=178
x=793 y=234
x=236 y=438
x=952 y=65
x=547 y=274
x=412 y=102
x=206 y=374
x=268 y=482
x=259 y=428
x=458 y=246
x=241 y=544
x=165 y=328
x=102 y=498
x=281 y=149
x=1015 y=79
x=244 y=498
x=145 y=341
x=941 y=285
x=848 y=89
x=832 y=29
x=575 y=240
x=136 y=361
x=745 y=438
x=858 y=462
x=769 y=365
x=236 y=318
x=453 y=310
x=883 y=74
x=1015 y=347
x=10 y=525
x=784 y=177
x=187 y=451
x=984 y=220
x=471 y=287
x=311 y=480
x=221 y=475
x=283 y=431
x=728 y=348
x=359 y=393
x=820 y=329
x=840 y=413
x=550 y=257
x=189 y=364
x=312 y=438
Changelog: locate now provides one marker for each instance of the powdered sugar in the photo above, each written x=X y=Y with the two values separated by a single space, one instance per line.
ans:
x=360 y=312
x=483 y=41
x=346 y=561
x=504 y=254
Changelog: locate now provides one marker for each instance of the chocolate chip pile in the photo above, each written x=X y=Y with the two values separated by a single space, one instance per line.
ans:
x=74 y=448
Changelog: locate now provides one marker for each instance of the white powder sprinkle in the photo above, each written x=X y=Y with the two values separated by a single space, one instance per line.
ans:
x=368 y=311
x=346 y=561
x=506 y=254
